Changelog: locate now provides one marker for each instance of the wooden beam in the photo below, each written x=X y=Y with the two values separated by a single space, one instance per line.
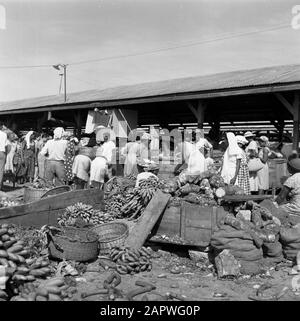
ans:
x=296 y=107
x=198 y=111
x=285 y=102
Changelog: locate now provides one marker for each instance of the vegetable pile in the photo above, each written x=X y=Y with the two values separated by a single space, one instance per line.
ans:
x=83 y=213
x=53 y=289
x=14 y=257
x=131 y=261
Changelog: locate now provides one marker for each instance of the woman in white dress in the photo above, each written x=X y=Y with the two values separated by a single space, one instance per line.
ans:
x=252 y=152
x=263 y=174
x=131 y=152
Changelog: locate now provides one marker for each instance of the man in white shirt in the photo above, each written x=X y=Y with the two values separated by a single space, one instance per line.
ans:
x=4 y=150
x=109 y=151
x=55 y=150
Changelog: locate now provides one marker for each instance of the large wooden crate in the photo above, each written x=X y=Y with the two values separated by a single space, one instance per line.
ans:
x=192 y=223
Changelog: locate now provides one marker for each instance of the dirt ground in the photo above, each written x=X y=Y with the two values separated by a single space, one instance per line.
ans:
x=173 y=271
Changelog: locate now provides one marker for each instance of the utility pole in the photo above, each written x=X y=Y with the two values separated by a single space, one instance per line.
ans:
x=64 y=66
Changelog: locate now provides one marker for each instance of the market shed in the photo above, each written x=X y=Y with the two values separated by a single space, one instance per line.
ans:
x=268 y=94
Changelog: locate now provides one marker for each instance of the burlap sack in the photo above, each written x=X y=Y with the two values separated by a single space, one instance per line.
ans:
x=290 y=235
x=252 y=255
x=272 y=249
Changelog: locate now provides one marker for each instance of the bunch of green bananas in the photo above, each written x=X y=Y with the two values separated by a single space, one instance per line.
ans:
x=74 y=212
x=131 y=261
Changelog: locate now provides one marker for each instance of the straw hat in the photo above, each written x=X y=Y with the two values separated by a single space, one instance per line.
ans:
x=249 y=134
x=264 y=139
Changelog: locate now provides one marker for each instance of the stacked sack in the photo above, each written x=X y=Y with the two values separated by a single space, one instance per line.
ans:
x=239 y=242
x=290 y=240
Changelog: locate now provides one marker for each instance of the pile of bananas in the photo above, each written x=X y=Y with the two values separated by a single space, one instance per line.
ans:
x=137 y=199
x=14 y=257
x=84 y=213
x=131 y=261
x=100 y=217
x=114 y=204
x=53 y=289
x=72 y=213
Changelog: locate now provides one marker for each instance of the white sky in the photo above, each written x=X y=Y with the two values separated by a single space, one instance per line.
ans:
x=66 y=31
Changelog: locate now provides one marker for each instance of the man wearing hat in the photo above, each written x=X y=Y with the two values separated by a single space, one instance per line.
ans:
x=291 y=190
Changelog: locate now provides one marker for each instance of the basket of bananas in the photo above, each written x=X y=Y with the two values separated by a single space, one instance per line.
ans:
x=111 y=235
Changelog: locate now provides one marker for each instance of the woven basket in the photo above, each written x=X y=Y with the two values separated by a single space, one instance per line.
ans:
x=33 y=194
x=74 y=244
x=111 y=235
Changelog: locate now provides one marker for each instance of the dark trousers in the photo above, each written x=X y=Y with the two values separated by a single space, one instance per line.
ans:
x=55 y=169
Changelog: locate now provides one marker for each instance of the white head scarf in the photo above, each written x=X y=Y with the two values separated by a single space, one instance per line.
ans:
x=228 y=168
x=233 y=147
x=27 y=138
x=58 y=133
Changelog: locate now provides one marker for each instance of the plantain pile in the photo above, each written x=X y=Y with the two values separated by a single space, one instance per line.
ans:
x=131 y=261
x=15 y=258
x=53 y=289
x=138 y=199
x=83 y=213
x=114 y=204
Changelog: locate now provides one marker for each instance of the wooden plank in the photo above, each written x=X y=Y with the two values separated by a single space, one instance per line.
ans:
x=45 y=211
x=245 y=198
x=146 y=222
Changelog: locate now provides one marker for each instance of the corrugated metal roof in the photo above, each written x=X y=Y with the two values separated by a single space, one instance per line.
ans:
x=222 y=81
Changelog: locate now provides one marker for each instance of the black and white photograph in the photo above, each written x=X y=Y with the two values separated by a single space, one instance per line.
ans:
x=149 y=154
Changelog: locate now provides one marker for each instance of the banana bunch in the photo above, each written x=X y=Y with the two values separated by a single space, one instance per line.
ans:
x=131 y=261
x=74 y=212
x=12 y=249
x=53 y=289
x=114 y=204
x=138 y=199
x=100 y=217
x=14 y=258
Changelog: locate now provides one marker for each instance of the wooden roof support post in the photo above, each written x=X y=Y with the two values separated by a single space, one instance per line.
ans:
x=198 y=111
x=41 y=120
x=78 y=123
x=296 y=106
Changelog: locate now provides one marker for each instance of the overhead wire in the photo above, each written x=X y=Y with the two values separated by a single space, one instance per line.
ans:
x=143 y=53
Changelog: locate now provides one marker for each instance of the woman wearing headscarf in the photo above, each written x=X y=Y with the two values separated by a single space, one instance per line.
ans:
x=234 y=168
x=252 y=152
x=263 y=174
x=55 y=150
x=193 y=161
x=29 y=155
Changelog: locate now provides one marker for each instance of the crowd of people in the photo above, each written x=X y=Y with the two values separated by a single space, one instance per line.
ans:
x=58 y=160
